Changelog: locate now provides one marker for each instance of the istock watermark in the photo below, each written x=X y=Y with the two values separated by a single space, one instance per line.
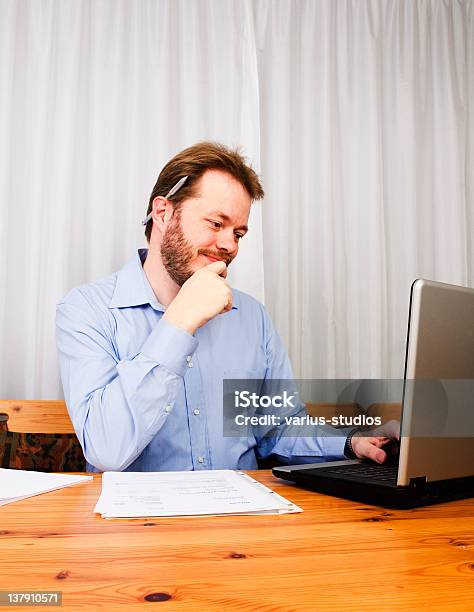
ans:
x=246 y=399
x=424 y=408
x=360 y=420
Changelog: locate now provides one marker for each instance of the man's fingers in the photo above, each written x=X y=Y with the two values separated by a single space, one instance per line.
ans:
x=218 y=267
x=379 y=441
x=228 y=305
x=390 y=429
x=374 y=452
x=369 y=448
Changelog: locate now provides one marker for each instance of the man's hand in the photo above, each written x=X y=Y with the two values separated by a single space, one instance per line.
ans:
x=203 y=296
x=370 y=447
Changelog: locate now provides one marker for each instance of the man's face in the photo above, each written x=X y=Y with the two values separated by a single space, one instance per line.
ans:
x=206 y=228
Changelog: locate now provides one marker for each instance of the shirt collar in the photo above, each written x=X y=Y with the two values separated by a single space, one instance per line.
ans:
x=133 y=289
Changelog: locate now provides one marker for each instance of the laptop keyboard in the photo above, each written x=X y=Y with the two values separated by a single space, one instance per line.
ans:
x=381 y=473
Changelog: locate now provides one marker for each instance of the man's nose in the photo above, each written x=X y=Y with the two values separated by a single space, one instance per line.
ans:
x=226 y=241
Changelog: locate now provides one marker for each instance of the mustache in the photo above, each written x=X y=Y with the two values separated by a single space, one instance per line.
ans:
x=218 y=254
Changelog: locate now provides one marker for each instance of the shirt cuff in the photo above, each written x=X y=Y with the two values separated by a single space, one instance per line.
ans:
x=334 y=447
x=170 y=346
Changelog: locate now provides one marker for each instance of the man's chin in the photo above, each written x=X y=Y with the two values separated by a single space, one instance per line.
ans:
x=201 y=262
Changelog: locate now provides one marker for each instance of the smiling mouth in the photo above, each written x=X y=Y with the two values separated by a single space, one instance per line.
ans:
x=210 y=257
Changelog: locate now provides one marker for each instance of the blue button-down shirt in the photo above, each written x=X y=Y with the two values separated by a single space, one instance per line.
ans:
x=144 y=395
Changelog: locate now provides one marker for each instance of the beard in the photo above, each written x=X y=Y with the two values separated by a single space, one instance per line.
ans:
x=177 y=253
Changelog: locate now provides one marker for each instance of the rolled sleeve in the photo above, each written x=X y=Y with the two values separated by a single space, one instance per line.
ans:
x=170 y=346
x=116 y=406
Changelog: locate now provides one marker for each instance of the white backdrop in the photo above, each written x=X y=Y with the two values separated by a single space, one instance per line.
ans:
x=367 y=113
x=96 y=96
x=358 y=113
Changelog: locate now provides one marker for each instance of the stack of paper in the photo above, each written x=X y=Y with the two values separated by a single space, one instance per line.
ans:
x=200 y=493
x=19 y=484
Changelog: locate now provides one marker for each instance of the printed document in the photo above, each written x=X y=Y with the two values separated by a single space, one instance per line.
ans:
x=19 y=484
x=199 y=493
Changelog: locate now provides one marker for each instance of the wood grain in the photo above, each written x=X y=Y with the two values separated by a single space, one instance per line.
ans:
x=34 y=416
x=337 y=555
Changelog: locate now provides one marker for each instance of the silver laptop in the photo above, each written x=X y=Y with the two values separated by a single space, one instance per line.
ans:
x=436 y=454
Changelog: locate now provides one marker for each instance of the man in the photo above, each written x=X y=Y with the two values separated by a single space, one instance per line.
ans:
x=144 y=351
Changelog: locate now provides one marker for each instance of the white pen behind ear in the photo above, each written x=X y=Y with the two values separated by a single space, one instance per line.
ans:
x=170 y=193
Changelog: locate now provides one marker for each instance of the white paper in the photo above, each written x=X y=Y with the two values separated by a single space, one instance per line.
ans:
x=19 y=484
x=189 y=493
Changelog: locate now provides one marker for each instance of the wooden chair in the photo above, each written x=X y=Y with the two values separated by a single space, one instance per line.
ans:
x=33 y=416
x=38 y=435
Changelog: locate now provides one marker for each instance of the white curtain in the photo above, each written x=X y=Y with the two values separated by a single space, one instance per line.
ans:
x=96 y=96
x=367 y=113
x=358 y=113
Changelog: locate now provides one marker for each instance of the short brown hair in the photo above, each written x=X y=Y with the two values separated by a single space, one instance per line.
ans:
x=193 y=162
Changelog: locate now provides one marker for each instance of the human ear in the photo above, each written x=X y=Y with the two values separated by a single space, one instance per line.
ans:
x=162 y=211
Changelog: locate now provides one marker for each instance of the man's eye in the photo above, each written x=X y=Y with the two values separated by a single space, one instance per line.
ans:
x=239 y=236
x=215 y=224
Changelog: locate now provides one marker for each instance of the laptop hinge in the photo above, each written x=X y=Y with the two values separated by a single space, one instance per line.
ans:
x=418 y=482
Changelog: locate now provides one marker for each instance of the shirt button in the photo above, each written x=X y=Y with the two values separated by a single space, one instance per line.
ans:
x=196 y=411
x=168 y=408
x=201 y=459
x=189 y=359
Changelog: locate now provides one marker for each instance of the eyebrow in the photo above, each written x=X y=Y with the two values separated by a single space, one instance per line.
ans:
x=226 y=218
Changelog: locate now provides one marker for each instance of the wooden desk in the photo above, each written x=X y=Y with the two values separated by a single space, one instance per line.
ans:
x=337 y=555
